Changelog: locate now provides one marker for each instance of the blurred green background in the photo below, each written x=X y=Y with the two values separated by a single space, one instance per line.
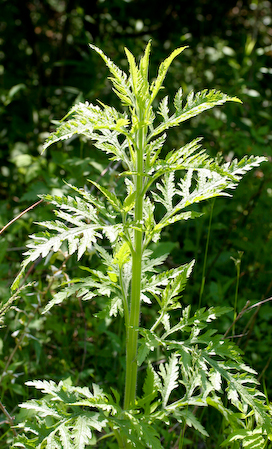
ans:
x=45 y=67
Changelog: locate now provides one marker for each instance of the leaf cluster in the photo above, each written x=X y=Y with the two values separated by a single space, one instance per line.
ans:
x=200 y=366
x=159 y=192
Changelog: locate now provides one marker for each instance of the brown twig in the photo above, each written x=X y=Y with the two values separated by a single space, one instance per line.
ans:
x=265 y=368
x=260 y=303
x=237 y=318
x=9 y=418
x=246 y=309
x=20 y=215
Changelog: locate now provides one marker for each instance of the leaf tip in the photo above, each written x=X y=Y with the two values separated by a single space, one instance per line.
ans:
x=235 y=100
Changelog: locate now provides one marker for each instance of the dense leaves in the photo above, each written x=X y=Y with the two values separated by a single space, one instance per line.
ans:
x=45 y=66
x=198 y=363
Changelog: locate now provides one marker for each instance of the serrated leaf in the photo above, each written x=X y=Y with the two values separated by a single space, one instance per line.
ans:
x=164 y=66
x=216 y=380
x=147 y=343
x=153 y=150
x=249 y=439
x=139 y=433
x=169 y=374
x=129 y=202
x=174 y=280
x=196 y=103
x=178 y=217
x=82 y=433
x=134 y=71
x=111 y=197
x=168 y=190
x=178 y=101
x=150 y=436
x=64 y=437
x=199 y=320
x=119 y=79
x=185 y=416
x=240 y=392
x=150 y=391
x=41 y=409
x=74 y=229
x=87 y=119
x=149 y=382
x=86 y=289
x=163 y=108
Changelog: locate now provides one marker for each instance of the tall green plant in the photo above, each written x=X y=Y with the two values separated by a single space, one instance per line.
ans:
x=196 y=364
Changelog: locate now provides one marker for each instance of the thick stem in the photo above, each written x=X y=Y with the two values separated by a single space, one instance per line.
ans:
x=134 y=318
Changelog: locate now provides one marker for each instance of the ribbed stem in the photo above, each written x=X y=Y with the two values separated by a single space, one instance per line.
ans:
x=135 y=304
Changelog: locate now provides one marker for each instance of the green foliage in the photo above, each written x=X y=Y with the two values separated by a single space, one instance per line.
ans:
x=199 y=368
x=5 y=306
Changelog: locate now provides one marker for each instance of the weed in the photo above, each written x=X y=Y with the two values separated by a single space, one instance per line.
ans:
x=185 y=365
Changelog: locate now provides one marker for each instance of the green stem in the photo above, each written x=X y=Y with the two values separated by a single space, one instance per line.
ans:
x=125 y=303
x=238 y=269
x=206 y=256
x=134 y=318
x=157 y=322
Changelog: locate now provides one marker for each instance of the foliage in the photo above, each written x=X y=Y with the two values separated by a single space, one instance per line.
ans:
x=45 y=67
x=198 y=364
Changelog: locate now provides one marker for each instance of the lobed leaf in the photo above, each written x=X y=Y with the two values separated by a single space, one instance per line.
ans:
x=164 y=66
x=188 y=418
x=119 y=80
x=169 y=374
x=87 y=120
x=195 y=105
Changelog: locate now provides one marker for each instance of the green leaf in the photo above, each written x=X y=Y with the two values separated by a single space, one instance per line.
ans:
x=196 y=103
x=65 y=437
x=168 y=283
x=178 y=217
x=69 y=425
x=86 y=289
x=5 y=306
x=144 y=62
x=162 y=73
x=139 y=83
x=149 y=383
x=169 y=373
x=241 y=392
x=87 y=120
x=79 y=238
x=249 y=439
x=42 y=410
x=111 y=197
x=122 y=256
x=138 y=432
x=82 y=433
x=149 y=342
x=163 y=108
x=185 y=416
x=178 y=101
x=199 y=321
x=129 y=202
x=119 y=80
x=168 y=191
x=153 y=150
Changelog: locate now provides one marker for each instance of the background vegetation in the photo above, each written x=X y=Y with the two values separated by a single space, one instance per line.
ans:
x=45 y=67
